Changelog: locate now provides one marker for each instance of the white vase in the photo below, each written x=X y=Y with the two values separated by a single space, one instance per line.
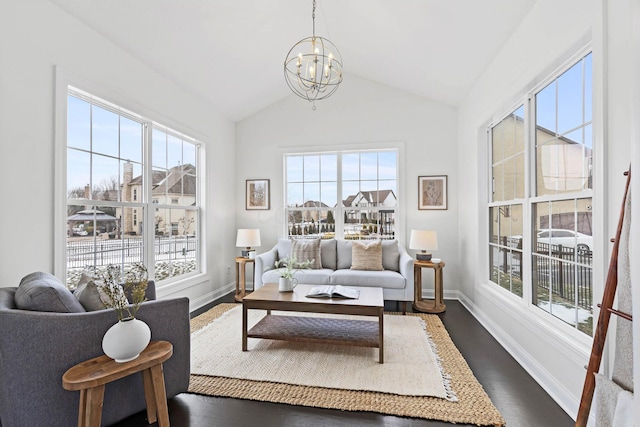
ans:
x=286 y=285
x=126 y=339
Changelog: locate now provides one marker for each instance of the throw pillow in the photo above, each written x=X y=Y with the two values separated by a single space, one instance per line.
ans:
x=367 y=256
x=44 y=292
x=307 y=250
x=90 y=293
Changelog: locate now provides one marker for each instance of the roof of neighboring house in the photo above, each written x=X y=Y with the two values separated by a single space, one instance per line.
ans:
x=370 y=196
x=177 y=180
x=314 y=204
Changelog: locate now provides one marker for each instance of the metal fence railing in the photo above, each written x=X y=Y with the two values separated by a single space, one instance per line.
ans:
x=565 y=271
x=86 y=253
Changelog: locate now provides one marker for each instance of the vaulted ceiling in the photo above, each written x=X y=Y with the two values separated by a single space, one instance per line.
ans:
x=230 y=53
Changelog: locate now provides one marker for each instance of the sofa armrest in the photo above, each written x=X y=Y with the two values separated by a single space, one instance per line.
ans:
x=264 y=262
x=406 y=269
x=36 y=348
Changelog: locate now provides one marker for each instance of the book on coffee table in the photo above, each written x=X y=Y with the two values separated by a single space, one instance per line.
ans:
x=333 y=292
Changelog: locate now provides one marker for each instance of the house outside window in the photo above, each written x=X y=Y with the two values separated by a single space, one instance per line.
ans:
x=348 y=195
x=112 y=195
x=550 y=219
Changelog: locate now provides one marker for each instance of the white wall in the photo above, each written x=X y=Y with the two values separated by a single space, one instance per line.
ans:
x=555 y=359
x=360 y=112
x=35 y=36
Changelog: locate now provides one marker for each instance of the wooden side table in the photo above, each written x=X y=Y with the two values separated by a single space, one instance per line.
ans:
x=91 y=376
x=428 y=306
x=241 y=276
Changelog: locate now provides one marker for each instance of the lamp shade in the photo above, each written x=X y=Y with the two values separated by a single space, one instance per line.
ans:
x=248 y=237
x=424 y=240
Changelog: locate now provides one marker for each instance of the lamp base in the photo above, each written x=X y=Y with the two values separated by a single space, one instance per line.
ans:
x=423 y=257
x=247 y=253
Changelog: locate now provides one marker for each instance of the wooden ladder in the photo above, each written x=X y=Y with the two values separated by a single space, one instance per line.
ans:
x=606 y=310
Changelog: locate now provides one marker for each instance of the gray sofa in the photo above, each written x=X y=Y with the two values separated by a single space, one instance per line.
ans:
x=396 y=280
x=37 y=347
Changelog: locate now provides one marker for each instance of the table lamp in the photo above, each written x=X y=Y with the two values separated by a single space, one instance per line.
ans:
x=423 y=241
x=248 y=238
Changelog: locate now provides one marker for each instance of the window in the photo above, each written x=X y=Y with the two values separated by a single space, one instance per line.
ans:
x=553 y=214
x=112 y=195
x=350 y=195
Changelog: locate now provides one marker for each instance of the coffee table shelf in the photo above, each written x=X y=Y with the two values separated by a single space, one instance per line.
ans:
x=359 y=333
x=323 y=329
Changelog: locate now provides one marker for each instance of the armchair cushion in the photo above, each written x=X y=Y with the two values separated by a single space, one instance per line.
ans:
x=44 y=292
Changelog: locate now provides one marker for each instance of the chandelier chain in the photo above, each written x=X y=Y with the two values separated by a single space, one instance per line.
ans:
x=313 y=18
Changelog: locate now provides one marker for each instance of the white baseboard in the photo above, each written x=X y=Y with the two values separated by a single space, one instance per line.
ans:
x=554 y=388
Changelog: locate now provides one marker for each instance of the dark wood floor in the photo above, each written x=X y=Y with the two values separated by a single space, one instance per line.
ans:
x=522 y=402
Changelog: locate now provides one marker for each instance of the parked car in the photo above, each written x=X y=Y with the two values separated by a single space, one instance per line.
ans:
x=566 y=238
x=79 y=231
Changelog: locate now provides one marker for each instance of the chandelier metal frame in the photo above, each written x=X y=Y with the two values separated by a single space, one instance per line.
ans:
x=305 y=59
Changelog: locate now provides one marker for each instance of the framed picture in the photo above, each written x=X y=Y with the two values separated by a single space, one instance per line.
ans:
x=432 y=192
x=257 y=194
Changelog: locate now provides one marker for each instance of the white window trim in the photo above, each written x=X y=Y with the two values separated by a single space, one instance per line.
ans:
x=398 y=146
x=558 y=328
x=63 y=80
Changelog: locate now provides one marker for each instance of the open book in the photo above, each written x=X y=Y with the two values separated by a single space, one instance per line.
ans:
x=333 y=292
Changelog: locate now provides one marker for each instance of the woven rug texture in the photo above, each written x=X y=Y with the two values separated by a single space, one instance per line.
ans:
x=473 y=406
x=410 y=367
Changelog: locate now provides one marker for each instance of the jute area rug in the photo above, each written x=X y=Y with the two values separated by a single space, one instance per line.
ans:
x=472 y=406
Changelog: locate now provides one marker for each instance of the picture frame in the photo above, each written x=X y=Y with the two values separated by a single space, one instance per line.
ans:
x=258 y=194
x=432 y=192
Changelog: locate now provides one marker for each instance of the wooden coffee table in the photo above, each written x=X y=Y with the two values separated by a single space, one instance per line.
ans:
x=327 y=330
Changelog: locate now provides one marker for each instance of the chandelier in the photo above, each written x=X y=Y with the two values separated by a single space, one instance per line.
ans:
x=313 y=68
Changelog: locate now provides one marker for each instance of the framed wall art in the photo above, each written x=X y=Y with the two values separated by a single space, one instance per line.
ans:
x=432 y=192
x=257 y=194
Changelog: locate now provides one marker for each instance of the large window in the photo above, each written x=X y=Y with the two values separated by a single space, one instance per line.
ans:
x=132 y=192
x=351 y=195
x=549 y=219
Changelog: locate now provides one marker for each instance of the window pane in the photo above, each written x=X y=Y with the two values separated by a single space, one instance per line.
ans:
x=78 y=123
x=312 y=168
x=78 y=174
x=174 y=151
x=329 y=167
x=363 y=224
x=105 y=172
x=387 y=165
x=294 y=169
x=546 y=109
x=570 y=99
x=176 y=242
x=130 y=140
x=105 y=132
x=494 y=225
x=312 y=193
x=368 y=166
x=588 y=89
x=294 y=195
x=350 y=167
x=96 y=239
x=329 y=194
x=159 y=149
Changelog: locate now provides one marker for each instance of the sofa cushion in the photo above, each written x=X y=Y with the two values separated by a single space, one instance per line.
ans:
x=284 y=248
x=390 y=255
x=306 y=276
x=344 y=254
x=7 y=298
x=44 y=292
x=304 y=250
x=367 y=256
x=329 y=254
x=383 y=279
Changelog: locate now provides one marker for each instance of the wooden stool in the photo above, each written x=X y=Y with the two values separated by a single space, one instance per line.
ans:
x=91 y=376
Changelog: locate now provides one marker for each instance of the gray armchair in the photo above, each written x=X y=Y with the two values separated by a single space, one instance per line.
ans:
x=36 y=348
